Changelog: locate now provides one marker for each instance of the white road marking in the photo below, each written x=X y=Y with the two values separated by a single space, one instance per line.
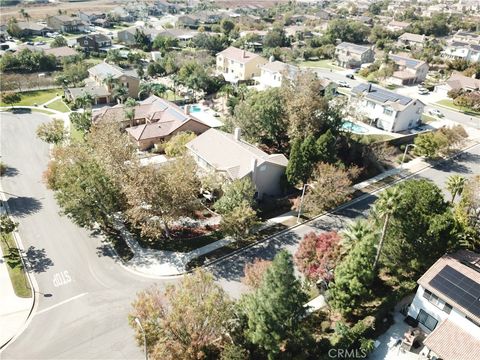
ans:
x=60 y=303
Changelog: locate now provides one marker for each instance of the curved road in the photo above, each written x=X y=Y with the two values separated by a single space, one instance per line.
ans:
x=85 y=295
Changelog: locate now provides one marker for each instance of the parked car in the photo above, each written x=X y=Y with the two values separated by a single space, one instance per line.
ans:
x=342 y=83
x=435 y=112
x=350 y=76
x=29 y=43
x=40 y=43
x=423 y=91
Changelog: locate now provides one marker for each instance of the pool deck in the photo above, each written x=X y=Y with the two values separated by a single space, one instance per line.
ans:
x=371 y=130
x=206 y=115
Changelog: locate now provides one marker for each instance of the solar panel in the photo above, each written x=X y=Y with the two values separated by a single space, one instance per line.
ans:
x=458 y=287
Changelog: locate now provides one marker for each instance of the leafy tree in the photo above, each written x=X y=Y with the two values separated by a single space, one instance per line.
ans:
x=467 y=214
x=59 y=41
x=317 y=255
x=83 y=189
x=227 y=26
x=275 y=310
x=114 y=56
x=72 y=74
x=440 y=142
x=82 y=121
x=353 y=277
x=275 y=38
x=384 y=208
x=295 y=166
x=164 y=43
x=326 y=148
x=52 y=132
x=212 y=43
x=420 y=230
x=148 y=89
x=455 y=184
x=332 y=186
x=27 y=61
x=176 y=145
x=239 y=221
x=235 y=194
x=347 y=30
x=11 y=98
x=254 y=272
x=186 y=321
x=234 y=352
x=129 y=110
x=158 y=196
x=261 y=116
x=7 y=225
x=142 y=40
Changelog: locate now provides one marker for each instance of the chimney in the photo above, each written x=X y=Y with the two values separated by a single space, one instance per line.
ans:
x=186 y=109
x=243 y=53
x=237 y=134
x=369 y=88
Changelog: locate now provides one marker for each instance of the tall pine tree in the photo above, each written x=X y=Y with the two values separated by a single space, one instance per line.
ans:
x=295 y=163
x=275 y=310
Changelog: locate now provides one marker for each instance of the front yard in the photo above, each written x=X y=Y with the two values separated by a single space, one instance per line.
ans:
x=11 y=256
x=58 y=105
x=34 y=98
x=324 y=63
x=449 y=103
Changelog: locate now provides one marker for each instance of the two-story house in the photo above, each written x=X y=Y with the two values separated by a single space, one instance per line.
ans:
x=466 y=37
x=462 y=50
x=98 y=18
x=447 y=307
x=273 y=73
x=397 y=26
x=66 y=24
x=409 y=40
x=102 y=80
x=408 y=71
x=387 y=110
x=94 y=42
x=231 y=156
x=351 y=56
x=239 y=65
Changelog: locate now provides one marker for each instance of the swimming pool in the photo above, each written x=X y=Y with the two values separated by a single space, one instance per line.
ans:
x=352 y=127
x=195 y=108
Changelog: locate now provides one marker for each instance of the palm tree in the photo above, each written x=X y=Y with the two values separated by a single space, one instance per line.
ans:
x=354 y=232
x=385 y=207
x=455 y=184
x=226 y=90
x=110 y=81
x=129 y=109
x=25 y=15
x=120 y=92
x=147 y=89
x=85 y=101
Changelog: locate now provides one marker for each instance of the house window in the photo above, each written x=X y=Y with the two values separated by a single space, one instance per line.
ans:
x=85 y=42
x=435 y=300
x=241 y=65
x=370 y=104
x=231 y=62
x=427 y=320
x=387 y=111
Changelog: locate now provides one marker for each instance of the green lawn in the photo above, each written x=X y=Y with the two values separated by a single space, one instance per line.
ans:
x=58 y=105
x=92 y=61
x=38 y=97
x=449 y=103
x=14 y=264
x=75 y=135
x=325 y=63
x=427 y=118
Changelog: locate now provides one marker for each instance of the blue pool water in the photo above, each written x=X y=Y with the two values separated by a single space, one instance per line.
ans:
x=195 y=108
x=358 y=129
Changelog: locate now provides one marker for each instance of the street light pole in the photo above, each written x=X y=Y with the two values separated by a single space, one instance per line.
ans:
x=405 y=153
x=137 y=320
x=301 y=202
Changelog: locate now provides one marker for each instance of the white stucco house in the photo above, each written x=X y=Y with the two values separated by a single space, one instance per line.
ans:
x=274 y=72
x=228 y=154
x=447 y=307
x=387 y=110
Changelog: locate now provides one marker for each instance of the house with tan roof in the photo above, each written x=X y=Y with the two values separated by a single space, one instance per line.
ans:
x=235 y=158
x=412 y=40
x=458 y=81
x=387 y=110
x=446 y=307
x=397 y=25
x=97 y=87
x=408 y=71
x=239 y=65
x=349 y=55
x=155 y=120
x=274 y=72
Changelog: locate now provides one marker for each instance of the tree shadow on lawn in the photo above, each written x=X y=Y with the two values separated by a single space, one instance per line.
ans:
x=37 y=260
x=21 y=206
x=232 y=268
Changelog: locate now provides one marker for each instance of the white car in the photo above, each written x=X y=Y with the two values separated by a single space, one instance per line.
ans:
x=435 y=112
x=342 y=83
x=423 y=91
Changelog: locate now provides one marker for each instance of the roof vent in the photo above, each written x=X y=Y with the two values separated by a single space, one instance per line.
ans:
x=237 y=134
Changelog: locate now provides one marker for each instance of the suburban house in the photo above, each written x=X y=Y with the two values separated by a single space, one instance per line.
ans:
x=458 y=81
x=408 y=71
x=155 y=120
x=239 y=65
x=233 y=157
x=412 y=40
x=273 y=73
x=462 y=50
x=351 y=56
x=96 y=85
x=61 y=52
x=397 y=25
x=466 y=37
x=98 y=18
x=121 y=14
x=447 y=307
x=387 y=110
x=66 y=24
x=26 y=28
x=94 y=42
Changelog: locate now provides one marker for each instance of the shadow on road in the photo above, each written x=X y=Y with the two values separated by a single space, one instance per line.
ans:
x=37 y=260
x=22 y=206
x=10 y=172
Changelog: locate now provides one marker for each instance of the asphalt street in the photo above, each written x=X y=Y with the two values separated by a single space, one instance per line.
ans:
x=84 y=293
